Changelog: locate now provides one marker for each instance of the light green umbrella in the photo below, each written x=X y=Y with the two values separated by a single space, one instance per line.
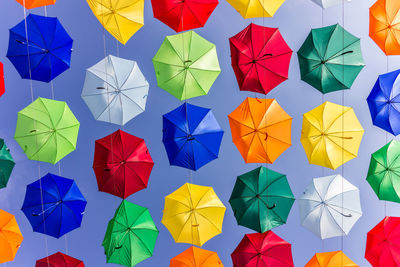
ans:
x=6 y=164
x=47 y=130
x=186 y=65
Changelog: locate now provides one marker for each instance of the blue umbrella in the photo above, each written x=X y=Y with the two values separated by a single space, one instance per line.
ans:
x=62 y=207
x=191 y=136
x=43 y=46
x=384 y=102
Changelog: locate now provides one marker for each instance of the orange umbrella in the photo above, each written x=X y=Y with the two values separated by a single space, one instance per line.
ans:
x=10 y=237
x=331 y=259
x=261 y=130
x=196 y=257
x=36 y=3
x=384 y=25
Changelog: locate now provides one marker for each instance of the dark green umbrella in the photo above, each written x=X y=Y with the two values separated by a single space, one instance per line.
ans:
x=6 y=164
x=261 y=199
x=330 y=59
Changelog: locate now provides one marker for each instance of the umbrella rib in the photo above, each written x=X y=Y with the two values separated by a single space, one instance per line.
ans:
x=212 y=223
x=335 y=207
x=26 y=40
x=341 y=147
x=140 y=178
x=40 y=32
x=121 y=93
x=267 y=41
x=273 y=72
x=106 y=80
x=191 y=11
x=107 y=107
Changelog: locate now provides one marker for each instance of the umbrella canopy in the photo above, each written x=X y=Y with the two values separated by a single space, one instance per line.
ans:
x=115 y=90
x=331 y=135
x=384 y=102
x=256 y=8
x=47 y=130
x=59 y=260
x=121 y=18
x=42 y=50
x=261 y=130
x=54 y=205
x=186 y=65
x=330 y=206
x=191 y=136
x=122 y=164
x=328 y=3
x=330 y=59
x=10 y=237
x=330 y=259
x=36 y=3
x=260 y=58
x=2 y=85
x=183 y=15
x=131 y=235
x=196 y=257
x=6 y=164
x=261 y=199
x=193 y=214
x=262 y=250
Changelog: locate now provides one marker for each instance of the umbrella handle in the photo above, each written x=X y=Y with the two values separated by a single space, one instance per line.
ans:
x=347 y=215
x=273 y=206
x=191 y=139
x=195 y=225
x=100 y=88
x=33 y=131
x=187 y=61
x=268 y=54
x=347 y=52
x=119 y=247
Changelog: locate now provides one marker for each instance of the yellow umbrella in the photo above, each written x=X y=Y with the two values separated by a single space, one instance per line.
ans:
x=121 y=18
x=331 y=135
x=193 y=214
x=256 y=8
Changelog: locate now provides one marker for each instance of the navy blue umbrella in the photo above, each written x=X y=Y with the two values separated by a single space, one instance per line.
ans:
x=62 y=207
x=384 y=102
x=191 y=136
x=43 y=46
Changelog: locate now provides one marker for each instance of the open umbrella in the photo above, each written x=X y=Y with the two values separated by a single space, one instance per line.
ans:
x=2 y=85
x=121 y=18
x=186 y=65
x=330 y=59
x=36 y=3
x=40 y=51
x=131 y=235
x=10 y=237
x=330 y=259
x=256 y=8
x=47 y=130
x=262 y=250
x=191 y=136
x=384 y=102
x=331 y=135
x=196 y=257
x=122 y=164
x=59 y=260
x=260 y=58
x=115 y=90
x=6 y=164
x=330 y=206
x=54 y=205
x=193 y=214
x=261 y=199
x=261 y=130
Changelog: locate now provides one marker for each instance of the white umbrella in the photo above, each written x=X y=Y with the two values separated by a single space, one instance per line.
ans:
x=330 y=206
x=329 y=3
x=115 y=90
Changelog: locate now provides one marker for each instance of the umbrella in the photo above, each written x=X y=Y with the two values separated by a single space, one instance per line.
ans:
x=331 y=135
x=261 y=250
x=256 y=8
x=330 y=59
x=384 y=25
x=131 y=235
x=261 y=130
x=193 y=214
x=11 y=237
x=54 y=205
x=384 y=102
x=196 y=257
x=122 y=164
x=383 y=242
x=261 y=199
x=330 y=206
x=36 y=3
x=2 y=85
x=183 y=15
x=6 y=164
x=186 y=65
x=115 y=90
x=260 y=58
x=47 y=130
x=328 y=3
x=59 y=260
x=121 y=18
x=40 y=51
x=191 y=136
x=330 y=259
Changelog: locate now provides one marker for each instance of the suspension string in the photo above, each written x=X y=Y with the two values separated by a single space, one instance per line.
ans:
x=343 y=102
x=117 y=46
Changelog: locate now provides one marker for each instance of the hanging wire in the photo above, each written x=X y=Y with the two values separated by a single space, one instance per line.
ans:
x=343 y=102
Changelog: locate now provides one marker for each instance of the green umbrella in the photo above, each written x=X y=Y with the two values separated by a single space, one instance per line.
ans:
x=384 y=172
x=6 y=164
x=330 y=59
x=47 y=130
x=261 y=199
x=186 y=65
x=131 y=235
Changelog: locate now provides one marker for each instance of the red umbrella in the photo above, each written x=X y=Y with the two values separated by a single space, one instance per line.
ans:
x=260 y=58
x=122 y=164
x=182 y=15
x=59 y=260
x=383 y=243
x=2 y=87
x=262 y=250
